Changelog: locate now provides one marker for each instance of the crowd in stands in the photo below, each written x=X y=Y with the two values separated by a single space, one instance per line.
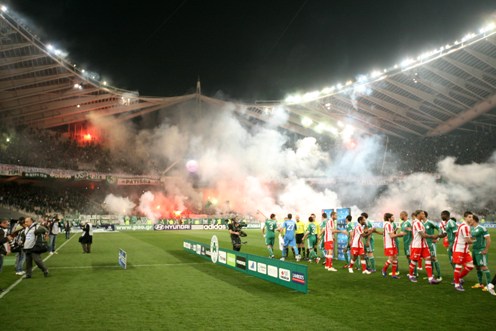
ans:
x=48 y=149
x=45 y=200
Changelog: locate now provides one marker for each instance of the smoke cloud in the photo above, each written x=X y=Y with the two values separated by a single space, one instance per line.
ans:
x=243 y=169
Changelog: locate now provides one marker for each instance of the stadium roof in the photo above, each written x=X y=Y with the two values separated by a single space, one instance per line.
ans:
x=451 y=88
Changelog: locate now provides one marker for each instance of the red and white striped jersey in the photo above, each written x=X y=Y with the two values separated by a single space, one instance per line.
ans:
x=461 y=244
x=357 y=241
x=388 y=241
x=328 y=235
x=418 y=241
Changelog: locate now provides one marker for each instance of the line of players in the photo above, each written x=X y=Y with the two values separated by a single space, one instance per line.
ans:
x=419 y=241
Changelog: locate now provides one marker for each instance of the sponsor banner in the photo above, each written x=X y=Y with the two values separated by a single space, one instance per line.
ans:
x=214 y=248
x=231 y=259
x=262 y=268
x=254 y=225
x=298 y=277
x=287 y=274
x=241 y=262
x=252 y=265
x=489 y=225
x=162 y=227
x=222 y=257
x=208 y=227
x=272 y=271
x=146 y=227
x=341 y=240
x=284 y=274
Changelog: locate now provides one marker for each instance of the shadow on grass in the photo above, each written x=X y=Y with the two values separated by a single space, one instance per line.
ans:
x=232 y=277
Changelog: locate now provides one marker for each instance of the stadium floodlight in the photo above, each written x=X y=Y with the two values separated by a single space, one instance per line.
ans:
x=327 y=90
x=306 y=122
x=468 y=36
x=4 y=8
x=376 y=73
x=50 y=47
x=487 y=28
x=404 y=65
x=311 y=96
x=406 y=62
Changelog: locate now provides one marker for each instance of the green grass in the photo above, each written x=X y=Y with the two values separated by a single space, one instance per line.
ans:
x=166 y=288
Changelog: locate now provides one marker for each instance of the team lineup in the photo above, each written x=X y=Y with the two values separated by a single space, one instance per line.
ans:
x=315 y=241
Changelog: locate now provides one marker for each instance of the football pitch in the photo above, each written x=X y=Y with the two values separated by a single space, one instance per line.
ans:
x=167 y=288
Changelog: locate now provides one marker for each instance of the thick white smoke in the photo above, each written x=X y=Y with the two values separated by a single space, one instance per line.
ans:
x=259 y=168
x=452 y=188
x=118 y=205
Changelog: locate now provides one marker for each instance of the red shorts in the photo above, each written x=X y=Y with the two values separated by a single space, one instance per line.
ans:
x=391 y=251
x=329 y=245
x=355 y=251
x=418 y=253
x=461 y=258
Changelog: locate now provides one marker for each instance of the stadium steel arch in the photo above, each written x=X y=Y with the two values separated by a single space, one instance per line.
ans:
x=452 y=89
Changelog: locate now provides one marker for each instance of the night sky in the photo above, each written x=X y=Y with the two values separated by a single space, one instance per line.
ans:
x=245 y=50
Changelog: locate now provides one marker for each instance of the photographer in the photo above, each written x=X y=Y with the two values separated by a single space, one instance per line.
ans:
x=235 y=231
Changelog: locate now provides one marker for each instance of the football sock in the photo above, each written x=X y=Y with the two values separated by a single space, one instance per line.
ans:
x=479 y=275
x=487 y=273
x=438 y=269
x=395 y=267
x=428 y=269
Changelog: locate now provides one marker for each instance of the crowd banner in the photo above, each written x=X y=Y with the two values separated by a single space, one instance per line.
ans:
x=287 y=274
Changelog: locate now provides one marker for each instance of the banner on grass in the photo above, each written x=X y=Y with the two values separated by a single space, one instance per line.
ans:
x=287 y=274
x=122 y=258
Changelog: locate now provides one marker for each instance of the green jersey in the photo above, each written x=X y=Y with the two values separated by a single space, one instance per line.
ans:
x=407 y=238
x=430 y=227
x=312 y=229
x=451 y=229
x=349 y=228
x=368 y=226
x=396 y=239
x=270 y=228
x=480 y=234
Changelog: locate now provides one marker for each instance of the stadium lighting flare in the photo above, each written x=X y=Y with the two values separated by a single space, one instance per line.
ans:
x=407 y=64
x=4 y=8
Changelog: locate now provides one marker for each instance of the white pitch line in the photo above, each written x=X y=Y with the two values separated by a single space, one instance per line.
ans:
x=4 y=293
x=131 y=265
